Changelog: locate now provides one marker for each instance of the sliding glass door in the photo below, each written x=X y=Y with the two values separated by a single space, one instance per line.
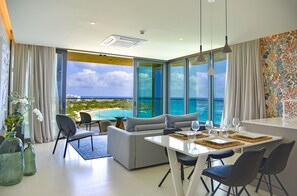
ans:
x=148 y=88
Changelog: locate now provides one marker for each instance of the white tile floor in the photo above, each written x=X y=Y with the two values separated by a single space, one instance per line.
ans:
x=103 y=177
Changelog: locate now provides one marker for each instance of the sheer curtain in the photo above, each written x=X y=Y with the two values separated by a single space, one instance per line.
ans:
x=244 y=92
x=37 y=67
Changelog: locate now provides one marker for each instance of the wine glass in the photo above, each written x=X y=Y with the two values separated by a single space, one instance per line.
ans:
x=236 y=123
x=209 y=126
x=226 y=123
x=195 y=126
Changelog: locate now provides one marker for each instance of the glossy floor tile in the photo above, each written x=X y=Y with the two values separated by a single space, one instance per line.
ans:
x=73 y=176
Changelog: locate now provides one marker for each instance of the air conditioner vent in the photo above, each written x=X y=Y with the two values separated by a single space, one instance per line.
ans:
x=122 y=41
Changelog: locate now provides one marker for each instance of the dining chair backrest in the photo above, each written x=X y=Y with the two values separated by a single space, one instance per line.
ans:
x=278 y=158
x=66 y=125
x=246 y=167
x=85 y=117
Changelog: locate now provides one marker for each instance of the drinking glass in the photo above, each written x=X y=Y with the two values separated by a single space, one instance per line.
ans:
x=209 y=126
x=226 y=123
x=195 y=126
x=236 y=123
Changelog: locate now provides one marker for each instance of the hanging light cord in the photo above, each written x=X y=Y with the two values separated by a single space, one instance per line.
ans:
x=200 y=23
x=226 y=15
x=211 y=57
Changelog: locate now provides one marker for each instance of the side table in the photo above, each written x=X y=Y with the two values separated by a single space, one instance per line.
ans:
x=120 y=123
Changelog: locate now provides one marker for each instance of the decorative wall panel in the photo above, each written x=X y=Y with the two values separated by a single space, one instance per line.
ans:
x=279 y=61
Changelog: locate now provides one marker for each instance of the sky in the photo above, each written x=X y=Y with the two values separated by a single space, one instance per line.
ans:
x=101 y=80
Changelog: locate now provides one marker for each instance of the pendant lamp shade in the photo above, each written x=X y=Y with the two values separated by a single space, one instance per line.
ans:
x=200 y=58
x=226 y=48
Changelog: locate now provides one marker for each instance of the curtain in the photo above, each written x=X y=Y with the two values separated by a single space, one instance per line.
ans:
x=244 y=92
x=40 y=83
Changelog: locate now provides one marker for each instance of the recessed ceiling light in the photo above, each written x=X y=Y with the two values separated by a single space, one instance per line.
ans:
x=92 y=23
x=180 y=39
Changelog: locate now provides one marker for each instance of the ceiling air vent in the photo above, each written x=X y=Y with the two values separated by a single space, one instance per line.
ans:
x=122 y=41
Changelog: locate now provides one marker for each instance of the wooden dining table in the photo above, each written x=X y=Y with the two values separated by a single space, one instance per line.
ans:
x=191 y=148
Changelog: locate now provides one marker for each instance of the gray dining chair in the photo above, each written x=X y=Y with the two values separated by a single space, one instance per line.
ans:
x=69 y=131
x=243 y=172
x=274 y=164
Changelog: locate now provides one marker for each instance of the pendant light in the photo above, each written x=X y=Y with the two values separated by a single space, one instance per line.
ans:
x=211 y=70
x=201 y=56
x=226 y=48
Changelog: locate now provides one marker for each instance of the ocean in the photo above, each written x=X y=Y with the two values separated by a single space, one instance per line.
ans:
x=176 y=108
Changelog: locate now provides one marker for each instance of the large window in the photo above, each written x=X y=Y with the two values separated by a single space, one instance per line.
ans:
x=176 y=87
x=189 y=79
x=198 y=88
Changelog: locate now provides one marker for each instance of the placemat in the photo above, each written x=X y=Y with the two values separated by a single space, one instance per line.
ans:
x=229 y=131
x=251 y=140
x=185 y=137
x=218 y=146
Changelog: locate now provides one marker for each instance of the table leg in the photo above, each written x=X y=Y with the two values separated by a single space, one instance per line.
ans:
x=196 y=175
x=174 y=166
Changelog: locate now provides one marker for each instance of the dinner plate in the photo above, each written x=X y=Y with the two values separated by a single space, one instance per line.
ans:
x=188 y=133
x=249 y=135
x=219 y=140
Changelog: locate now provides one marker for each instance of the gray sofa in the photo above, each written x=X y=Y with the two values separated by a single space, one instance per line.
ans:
x=128 y=146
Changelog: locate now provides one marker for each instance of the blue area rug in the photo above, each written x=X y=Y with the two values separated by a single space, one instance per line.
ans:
x=85 y=148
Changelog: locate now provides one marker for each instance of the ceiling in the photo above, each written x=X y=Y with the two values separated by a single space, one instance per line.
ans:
x=66 y=23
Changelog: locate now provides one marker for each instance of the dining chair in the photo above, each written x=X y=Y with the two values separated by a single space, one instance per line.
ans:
x=183 y=159
x=243 y=172
x=275 y=163
x=86 y=119
x=68 y=130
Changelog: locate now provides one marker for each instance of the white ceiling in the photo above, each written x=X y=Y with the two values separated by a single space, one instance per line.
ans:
x=65 y=23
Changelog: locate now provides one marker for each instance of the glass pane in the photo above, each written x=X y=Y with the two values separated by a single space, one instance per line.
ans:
x=176 y=88
x=198 y=89
x=150 y=90
x=219 y=86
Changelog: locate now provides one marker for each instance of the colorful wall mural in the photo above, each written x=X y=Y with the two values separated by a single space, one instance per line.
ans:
x=279 y=61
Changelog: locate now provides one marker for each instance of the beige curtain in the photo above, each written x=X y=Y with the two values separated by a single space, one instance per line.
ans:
x=244 y=92
x=38 y=64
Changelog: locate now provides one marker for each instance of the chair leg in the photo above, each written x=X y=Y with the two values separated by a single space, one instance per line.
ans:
x=204 y=184
x=160 y=184
x=56 y=142
x=78 y=143
x=191 y=173
x=246 y=191
x=99 y=127
x=267 y=184
x=182 y=174
x=216 y=189
x=270 y=185
x=222 y=162
x=258 y=185
x=281 y=185
x=208 y=166
x=92 y=143
x=66 y=145
x=229 y=189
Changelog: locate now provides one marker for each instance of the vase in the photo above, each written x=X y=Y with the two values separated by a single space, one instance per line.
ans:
x=29 y=159
x=11 y=160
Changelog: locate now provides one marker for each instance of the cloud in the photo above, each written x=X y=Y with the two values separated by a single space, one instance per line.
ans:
x=91 y=79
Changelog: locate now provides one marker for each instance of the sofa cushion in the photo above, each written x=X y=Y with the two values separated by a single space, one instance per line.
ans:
x=182 y=124
x=149 y=127
x=171 y=119
x=132 y=121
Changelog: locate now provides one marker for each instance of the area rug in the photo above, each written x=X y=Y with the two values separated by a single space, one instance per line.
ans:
x=85 y=148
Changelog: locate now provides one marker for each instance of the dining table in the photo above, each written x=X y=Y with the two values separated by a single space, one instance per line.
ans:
x=196 y=148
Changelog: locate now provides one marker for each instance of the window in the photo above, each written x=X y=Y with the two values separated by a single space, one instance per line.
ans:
x=176 y=87
x=198 y=89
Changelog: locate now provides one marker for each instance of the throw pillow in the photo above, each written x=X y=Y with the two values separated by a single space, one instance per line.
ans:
x=132 y=121
x=149 y=127
x=171 y=119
